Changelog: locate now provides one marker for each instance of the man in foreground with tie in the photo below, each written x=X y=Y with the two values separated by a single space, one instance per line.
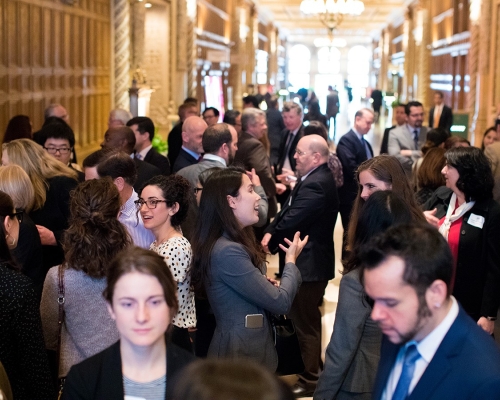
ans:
x=431 y=348
x=312 y=209
x=352 y=150
x=406 y=141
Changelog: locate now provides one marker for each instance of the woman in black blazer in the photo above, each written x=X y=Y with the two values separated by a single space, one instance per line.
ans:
x=469 y=218
x=141 y=297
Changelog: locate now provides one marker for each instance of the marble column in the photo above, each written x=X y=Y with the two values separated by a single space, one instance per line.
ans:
x=122 y=81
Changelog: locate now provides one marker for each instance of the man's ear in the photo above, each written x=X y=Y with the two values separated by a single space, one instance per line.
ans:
x=436 y=294
x=119 y=183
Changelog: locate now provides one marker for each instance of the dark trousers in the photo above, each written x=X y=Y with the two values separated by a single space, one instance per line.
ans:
x=180 y=337
x=345 y=216
x=306 y=316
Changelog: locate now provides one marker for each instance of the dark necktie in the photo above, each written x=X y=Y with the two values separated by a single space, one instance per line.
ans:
x=367 y=149
x=415 y=138
x=138 y=156
x=289 y=141
x=411 y=357
x=200 y=157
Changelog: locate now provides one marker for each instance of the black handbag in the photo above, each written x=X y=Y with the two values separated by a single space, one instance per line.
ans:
x=287 y=346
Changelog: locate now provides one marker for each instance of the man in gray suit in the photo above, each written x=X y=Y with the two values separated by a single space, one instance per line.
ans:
x=406 y=141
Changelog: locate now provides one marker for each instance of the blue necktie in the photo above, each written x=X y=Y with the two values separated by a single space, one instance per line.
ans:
x=411 y=357
x=367 y=149
x=415 y=138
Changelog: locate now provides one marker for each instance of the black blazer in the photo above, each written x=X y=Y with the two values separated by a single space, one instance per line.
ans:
x=100 y=376
x=159 y=161
x=311 y=209
x=145 y=172
x=466 y=365
x=384 y=147
x=446 y=120
x=184 y=159
x=282 y=156
x=351 y=153
x=477 y=279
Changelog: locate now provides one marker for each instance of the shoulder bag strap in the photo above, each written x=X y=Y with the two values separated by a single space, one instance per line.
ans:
x=60 y=301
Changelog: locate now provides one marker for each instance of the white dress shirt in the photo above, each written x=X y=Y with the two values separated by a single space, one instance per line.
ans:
x=129 y=217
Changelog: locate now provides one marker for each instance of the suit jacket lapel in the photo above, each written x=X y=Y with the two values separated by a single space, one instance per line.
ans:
x=388 y=354
x=441 y=363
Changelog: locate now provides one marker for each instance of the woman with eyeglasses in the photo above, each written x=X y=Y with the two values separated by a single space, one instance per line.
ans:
x=52 y=181
x=93 y=238
x=22 y=351
x=163 y=205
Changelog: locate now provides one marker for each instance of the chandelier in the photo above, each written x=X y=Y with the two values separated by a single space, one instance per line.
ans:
x=331 y=12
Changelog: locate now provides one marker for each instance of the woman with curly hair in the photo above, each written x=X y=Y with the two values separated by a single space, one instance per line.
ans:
x=93 y=238
x=163 y=204
x=469 y=218
x=52 y=182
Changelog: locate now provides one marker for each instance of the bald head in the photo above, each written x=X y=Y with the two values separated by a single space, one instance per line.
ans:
x=120 y=138
x=192 y=133
x=311 y=152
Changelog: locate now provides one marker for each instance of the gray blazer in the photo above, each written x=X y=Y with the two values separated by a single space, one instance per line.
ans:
x=353 y=353
x=400 y=138
x=236 y=288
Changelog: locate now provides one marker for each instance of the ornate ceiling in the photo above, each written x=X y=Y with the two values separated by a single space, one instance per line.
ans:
x=299 y=28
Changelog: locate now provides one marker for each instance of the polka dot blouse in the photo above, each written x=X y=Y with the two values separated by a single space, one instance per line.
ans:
x=177 y=254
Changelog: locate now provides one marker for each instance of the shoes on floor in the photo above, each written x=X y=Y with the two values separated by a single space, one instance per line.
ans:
x=303 y=389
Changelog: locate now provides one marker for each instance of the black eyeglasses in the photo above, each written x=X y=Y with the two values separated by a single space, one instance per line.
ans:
x=18 y=215
x=150 y=203
x=61 y=150
x=197 y=189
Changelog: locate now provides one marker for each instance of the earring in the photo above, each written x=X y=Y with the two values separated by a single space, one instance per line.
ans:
x=13 y=241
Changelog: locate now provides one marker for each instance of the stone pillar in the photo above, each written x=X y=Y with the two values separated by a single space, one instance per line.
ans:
x=239 y=36
x=138 y=20
x=423 y=51
x=384 y=60
x=251 y=46
x=483 y=84
x=121 y=21
x=409 y=65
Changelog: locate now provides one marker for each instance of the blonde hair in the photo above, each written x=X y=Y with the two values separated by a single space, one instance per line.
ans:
x=38 y=164
x=16 y=183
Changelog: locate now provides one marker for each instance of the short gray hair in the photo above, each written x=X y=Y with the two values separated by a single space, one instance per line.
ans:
x=121 y=115
x=249 y=117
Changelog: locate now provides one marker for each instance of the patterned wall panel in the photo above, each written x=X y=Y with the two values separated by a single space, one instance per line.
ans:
x=51 y=52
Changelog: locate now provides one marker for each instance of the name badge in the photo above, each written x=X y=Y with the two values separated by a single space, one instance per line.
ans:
x=133 y=398
x=476 y=220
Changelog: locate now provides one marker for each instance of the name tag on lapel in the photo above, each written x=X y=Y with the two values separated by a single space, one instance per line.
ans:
x=133 y=398
x=476 y=220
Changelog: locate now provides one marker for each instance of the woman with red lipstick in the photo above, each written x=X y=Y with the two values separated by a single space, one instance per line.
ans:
x=163 y=204
x=229 y=266
x=141 y=296
x=469 y=219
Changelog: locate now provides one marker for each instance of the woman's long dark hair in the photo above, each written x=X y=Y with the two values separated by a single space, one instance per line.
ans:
x=216 y=218
x=382 y=210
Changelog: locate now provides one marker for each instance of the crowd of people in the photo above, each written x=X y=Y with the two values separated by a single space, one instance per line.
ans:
x=118 y=278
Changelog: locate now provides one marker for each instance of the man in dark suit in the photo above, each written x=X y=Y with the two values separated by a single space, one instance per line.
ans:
x=352 y=150
x=440 y=115
x=123 y=139
x=188 y=109
x=432 y=350
x=332 y=107
x=144 y=131
x=192 y=148
x=252 y=154
x=400 y=116
x=290 y=136
x=275 y=127
x=311 y=209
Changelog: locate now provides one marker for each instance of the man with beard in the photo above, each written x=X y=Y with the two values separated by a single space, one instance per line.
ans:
x=431 y=348
x=406 y=141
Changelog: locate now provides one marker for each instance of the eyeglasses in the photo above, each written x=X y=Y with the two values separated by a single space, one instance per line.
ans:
x=197 y=189
x=151 y=203
x=61 y=150
x=18 y=215
x=209 y=116
x=303 y=153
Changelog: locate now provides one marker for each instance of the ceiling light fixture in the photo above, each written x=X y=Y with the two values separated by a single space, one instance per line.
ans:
x=331 y=12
